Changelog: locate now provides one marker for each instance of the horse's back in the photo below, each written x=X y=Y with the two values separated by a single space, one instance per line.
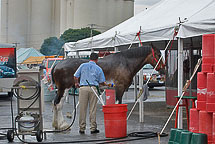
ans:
x=64 y=71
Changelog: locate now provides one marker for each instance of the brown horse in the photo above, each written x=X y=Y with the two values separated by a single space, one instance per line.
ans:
x=119 y=68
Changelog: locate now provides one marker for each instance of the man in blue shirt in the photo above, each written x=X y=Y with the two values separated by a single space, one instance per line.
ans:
x=92 y=73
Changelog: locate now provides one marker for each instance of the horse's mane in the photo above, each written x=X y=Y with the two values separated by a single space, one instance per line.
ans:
x=135 y=52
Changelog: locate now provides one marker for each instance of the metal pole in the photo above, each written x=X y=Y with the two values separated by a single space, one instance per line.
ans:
x=180 y=79
x=77 y=54
x=141 y=103
x=135 y=87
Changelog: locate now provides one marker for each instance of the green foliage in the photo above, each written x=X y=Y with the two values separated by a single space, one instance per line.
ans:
x=73 y=35
x=52 y=46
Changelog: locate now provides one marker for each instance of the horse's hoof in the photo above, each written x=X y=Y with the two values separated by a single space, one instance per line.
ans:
x=65 y=126
x=54 y=125
x=69 y=115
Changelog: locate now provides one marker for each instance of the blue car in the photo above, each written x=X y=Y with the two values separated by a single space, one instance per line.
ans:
x=6 y=72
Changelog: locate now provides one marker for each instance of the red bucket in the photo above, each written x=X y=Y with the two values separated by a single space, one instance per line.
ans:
x=208 y=51
x=115 y=119
x=205 y=124
x=213 y=128
x=194 y=120
x=201 y=90
x=208 y=48
x=210 y=103
x=110 y=96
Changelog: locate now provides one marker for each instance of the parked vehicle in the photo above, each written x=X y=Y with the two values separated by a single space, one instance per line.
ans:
x=7 y=67
x=6 y=72
x=156 y=79
x=48 y=64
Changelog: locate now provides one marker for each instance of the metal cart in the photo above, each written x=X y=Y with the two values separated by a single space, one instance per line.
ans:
x=29 y=119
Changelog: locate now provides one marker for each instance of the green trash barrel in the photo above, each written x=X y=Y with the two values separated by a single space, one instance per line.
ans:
x=172 y=135
x=186 y=137
x=178 y=135
x=199 y=138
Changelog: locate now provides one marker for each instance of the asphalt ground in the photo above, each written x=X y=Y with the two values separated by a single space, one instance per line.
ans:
x=156 y=114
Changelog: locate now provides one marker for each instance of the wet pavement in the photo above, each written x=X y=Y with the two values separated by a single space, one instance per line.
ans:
x=155 y=115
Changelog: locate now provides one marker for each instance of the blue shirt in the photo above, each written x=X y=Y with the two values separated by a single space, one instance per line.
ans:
x=91 y=72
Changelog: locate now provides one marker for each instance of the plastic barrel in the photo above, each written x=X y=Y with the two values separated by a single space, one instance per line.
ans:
x=205 y=124
x=48 y=95
x=210 y=103
x=213 y=128
x=110 y=96
x=186 y=137
x=201 y=90
x=177 y=138
x=199 y=138
x=194 y=120
x=172 y=135
x=207 y=52
x=115 y=119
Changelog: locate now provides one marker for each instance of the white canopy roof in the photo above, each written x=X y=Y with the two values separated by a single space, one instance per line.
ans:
x=196 y=17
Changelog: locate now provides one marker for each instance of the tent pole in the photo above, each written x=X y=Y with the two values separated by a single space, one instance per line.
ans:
x=77 y=54
x=180 y=79
x=141 y=103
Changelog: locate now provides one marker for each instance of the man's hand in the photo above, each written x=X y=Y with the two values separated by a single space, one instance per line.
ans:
x=77 y=85
x=110 y=85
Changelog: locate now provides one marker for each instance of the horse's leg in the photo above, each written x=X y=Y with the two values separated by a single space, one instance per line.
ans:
x=66 y=93
x=58 y=120
x=119 y=94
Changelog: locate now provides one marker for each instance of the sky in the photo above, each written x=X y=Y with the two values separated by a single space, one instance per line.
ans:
x=140 y=5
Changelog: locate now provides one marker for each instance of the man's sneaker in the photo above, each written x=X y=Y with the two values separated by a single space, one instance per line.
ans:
x=81 y=132
x=95 y=131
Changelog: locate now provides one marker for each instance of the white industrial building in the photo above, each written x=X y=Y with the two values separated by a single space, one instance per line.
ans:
x=29 y=22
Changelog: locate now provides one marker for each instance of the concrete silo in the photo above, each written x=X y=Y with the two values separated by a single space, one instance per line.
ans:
x=104 y=13
x=29 y=22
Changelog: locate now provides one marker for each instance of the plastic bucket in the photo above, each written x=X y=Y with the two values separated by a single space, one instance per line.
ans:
x=213 y=128
x=207 y=68
x=208 y=48
x=110 y=96
x=201 y=90
x=210 y=93
x=177 y=138
x=186 y=137
x=172 y=135
x=194 y=120
x=208 y=58
x=205 y=124
x=115 y=120
x=199 y=138
x=201 y=86
x=48 y=95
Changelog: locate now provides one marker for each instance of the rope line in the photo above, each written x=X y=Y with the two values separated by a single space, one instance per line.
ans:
x=141 y=91
x=184 y=90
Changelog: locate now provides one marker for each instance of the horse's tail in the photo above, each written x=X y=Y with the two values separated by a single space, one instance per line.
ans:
x=52 y=74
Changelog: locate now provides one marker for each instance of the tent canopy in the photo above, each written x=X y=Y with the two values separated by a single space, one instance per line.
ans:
x=34 y=60
x=192 y=17
x=24 y=53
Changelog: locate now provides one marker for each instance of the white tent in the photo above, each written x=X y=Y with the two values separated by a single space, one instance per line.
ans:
x=24 y=53
x=195 y=17
x=190 y=17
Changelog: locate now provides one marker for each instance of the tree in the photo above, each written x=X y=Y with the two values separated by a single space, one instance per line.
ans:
x=73 y=35
x=52 y=46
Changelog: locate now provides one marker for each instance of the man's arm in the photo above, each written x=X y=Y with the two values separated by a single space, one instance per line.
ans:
x=76 y=82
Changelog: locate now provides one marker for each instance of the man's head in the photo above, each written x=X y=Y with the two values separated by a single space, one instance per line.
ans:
x=94 y=56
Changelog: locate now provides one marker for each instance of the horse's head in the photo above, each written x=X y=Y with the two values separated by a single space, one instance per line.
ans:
x=154 y=57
